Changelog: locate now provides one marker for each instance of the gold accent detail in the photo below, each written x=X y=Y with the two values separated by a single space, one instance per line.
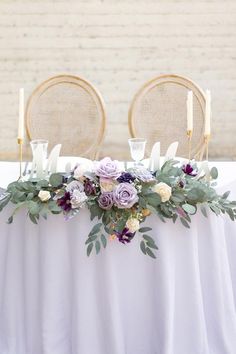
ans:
x=189 y=135
x=207 y=138
x=20 y=143
x=160 y=80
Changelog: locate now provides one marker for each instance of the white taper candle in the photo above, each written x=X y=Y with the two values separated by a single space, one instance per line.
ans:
x=190 y=111
x=21 y=114
x=208 y=114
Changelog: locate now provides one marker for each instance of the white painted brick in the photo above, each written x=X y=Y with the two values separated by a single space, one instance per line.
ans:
x=118 y=45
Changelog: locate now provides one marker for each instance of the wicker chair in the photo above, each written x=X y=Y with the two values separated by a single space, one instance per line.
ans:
x=68 y=110
x=158 y=113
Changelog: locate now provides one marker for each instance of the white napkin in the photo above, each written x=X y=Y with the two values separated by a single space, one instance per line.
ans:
x=154 y=162
x=53 y=159
x=171 y=151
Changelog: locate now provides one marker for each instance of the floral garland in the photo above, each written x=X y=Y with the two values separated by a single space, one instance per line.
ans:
x=122 y=199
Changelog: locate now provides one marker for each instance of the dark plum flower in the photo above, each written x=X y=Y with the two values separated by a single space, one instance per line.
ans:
x=126 y=177
x=125 y=236
x=89 y=187
x=65 y=202
x=189 y=170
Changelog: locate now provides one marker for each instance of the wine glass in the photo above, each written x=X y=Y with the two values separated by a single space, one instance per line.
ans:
x=137 y=150
x=35 y=143
x=44 y=144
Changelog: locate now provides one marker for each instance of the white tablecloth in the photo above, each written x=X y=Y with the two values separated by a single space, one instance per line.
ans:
x=55 y=300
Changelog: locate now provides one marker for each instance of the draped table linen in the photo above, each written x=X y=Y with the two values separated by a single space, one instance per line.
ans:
x=56 y=300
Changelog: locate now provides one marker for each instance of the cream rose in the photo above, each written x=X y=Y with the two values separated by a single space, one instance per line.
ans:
x=107 y=185
x=44 y=196
x=132 y=224
x=163 y=190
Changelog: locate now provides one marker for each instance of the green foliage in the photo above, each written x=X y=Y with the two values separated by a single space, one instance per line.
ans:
x=188 y=193
x=148 y=245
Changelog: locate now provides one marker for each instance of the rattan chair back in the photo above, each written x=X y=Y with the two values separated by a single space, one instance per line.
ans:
x=68 y=110
x=158 y=113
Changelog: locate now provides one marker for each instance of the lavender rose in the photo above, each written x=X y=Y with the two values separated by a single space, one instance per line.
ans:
x=144 y=175
x=107 y=168
x=125 y=195
x=106 y=201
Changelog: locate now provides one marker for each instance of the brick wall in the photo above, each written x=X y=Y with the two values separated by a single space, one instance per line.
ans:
x=118 y=45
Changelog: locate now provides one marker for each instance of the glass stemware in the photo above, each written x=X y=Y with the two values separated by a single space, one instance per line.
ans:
x=137 y=150
x=35 y=143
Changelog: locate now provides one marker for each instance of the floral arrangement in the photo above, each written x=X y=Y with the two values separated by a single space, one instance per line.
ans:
x=121 y=200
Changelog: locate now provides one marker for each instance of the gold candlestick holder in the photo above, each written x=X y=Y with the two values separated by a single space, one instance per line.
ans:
x=189 y=135
x=206 y=142
x=20 y=143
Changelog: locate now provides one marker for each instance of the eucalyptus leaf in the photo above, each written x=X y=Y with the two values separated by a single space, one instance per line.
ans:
x=145 y=229
x=33 y=207
x=190 y=209
x=97 y=246
x=143 y=247
x=203 y=210
x=56 y=180
x=89 y=249
x=10 y=219
x=91 y=239
x=150 y=253
x=96 y=228
x=149 y=239
x=214 y=173
x=152 y=245
x=43 y=183
x=225 y=195
x=33 y=218
x=104 y=241
x=185 y=223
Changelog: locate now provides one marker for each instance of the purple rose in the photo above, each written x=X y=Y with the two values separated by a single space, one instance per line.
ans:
x=125 y=195
x=107 y=168
x=106 y=201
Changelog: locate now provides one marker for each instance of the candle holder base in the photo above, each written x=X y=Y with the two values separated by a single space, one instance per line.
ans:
x=20 y=143
x=206 y=142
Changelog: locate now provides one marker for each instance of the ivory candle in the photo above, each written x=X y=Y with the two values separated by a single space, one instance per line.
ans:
x=21 y=114
x=208 y=114
x=190 y=111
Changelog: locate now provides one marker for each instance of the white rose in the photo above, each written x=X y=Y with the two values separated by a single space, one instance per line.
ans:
x=163 y=190
x=44 y=196
x=77 y=199
x=80 y=170
x=132 y=224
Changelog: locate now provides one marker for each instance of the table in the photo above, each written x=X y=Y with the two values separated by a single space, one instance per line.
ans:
x=55 y=300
